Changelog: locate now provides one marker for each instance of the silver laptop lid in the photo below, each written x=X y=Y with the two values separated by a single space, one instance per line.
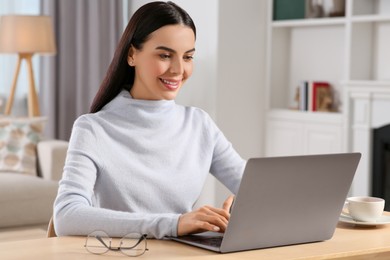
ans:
x=289 y=200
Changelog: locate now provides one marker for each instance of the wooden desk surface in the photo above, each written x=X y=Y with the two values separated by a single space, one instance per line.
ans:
x=348 y=242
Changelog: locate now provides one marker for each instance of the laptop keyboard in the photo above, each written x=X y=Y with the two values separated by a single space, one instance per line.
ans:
x=204 y=240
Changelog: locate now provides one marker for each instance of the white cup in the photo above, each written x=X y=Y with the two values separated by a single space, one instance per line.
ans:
x=365 y=209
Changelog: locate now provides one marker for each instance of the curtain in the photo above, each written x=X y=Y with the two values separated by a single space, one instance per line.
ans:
x=87 y=33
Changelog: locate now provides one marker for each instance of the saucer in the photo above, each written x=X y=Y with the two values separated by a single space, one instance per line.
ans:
x=383 y=220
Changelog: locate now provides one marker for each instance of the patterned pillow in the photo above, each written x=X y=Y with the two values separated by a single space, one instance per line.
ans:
x=18 y=140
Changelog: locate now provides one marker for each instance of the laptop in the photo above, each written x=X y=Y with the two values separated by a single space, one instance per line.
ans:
x=284 y=201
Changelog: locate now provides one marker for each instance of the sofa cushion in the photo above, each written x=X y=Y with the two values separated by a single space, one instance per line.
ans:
x=25 y=200
x=18 y=141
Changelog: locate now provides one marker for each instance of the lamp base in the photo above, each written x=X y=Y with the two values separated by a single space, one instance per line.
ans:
x=33 y=105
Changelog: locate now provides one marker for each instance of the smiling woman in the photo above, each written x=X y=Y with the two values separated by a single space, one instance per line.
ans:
x=138 y=162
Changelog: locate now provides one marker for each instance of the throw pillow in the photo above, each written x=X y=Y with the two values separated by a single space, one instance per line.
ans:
x=18 y=141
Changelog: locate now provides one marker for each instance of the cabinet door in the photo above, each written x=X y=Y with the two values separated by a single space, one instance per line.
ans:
x=321 y=138
x=284 y=138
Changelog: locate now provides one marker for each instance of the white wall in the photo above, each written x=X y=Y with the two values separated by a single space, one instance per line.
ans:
x=241 y=77
x=229 y=73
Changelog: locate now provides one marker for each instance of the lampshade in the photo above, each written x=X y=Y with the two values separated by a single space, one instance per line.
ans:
x=26 y=34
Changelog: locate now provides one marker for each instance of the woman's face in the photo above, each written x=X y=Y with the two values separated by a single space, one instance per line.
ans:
x=163 y=64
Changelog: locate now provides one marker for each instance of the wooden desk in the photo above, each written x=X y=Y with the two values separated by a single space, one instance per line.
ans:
x=348 y=242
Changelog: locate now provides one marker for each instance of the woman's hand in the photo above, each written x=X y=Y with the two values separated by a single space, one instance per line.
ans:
x=206 y=218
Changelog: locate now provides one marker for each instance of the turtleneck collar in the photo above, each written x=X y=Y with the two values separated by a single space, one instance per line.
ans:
x=149 y=103
x=124 y=98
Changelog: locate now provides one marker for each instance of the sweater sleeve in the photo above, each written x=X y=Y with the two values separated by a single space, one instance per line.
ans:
x=227 y=165
x=74 y=213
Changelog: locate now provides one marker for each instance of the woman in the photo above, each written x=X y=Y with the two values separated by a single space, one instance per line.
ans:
x=138 y=161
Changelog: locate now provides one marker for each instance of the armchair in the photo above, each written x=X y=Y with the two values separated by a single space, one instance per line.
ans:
x=28 y=200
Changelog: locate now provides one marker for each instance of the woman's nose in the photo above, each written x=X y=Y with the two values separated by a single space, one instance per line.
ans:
x=177 y=66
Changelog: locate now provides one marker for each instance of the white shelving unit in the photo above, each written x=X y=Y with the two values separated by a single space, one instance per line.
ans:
x=348 y=51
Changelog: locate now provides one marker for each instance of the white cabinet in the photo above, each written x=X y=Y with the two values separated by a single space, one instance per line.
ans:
x=342 y=51
x=284 y=138
x=322 y=138
x=294 y=134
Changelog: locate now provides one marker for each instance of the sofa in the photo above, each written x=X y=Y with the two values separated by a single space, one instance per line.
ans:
x=27 y=200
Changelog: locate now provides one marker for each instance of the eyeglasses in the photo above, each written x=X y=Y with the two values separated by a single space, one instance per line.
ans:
x=133 y=244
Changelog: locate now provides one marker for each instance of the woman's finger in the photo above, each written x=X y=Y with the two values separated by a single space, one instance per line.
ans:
x=228 y=203
x=206 y=218
x=213 y=217
x=206 y=226
x=216 y=212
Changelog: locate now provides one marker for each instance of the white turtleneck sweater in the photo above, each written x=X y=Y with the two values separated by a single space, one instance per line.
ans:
x=137 y=165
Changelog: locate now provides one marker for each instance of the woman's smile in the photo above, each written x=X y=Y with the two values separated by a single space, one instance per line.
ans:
x=171 y=84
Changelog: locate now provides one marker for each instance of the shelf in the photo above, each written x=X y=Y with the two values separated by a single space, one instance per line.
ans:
x=370 y=18
x=308 y=116
x=351 y=53
x=329 y=21
x=309 y=22
x=365 y=83
x=368 y=89
x=369 y=7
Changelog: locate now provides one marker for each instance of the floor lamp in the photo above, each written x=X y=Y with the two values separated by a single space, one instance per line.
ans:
x=26 y=35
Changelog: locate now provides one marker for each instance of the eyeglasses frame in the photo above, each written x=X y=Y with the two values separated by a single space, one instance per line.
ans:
x=116 y=249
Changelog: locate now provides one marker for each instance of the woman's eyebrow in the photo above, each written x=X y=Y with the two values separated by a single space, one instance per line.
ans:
x=172 y=50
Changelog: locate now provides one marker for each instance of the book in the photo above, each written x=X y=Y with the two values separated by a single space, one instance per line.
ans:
x=303 y=91
x=321 y=96
x=310 y=100
x=314 y=96
x=289 y=9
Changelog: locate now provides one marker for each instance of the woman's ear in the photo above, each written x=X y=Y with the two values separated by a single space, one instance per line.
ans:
x=130 y=56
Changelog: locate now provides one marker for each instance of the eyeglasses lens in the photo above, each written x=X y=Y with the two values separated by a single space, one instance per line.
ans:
x=96 y=242
x=133 y=244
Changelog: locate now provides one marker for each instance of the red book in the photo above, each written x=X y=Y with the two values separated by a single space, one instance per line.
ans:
x=319 y=90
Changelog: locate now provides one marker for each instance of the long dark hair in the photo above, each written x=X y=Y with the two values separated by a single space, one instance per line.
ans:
x=147 y=19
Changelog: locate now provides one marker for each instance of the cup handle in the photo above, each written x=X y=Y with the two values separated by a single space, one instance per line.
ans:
x=344 y=212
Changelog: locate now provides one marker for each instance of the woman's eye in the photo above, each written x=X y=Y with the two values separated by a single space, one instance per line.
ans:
x=188 y=58
x=165 y=56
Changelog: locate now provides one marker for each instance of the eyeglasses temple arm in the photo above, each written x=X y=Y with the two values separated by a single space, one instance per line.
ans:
x=143 y=237
x=101 y=241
